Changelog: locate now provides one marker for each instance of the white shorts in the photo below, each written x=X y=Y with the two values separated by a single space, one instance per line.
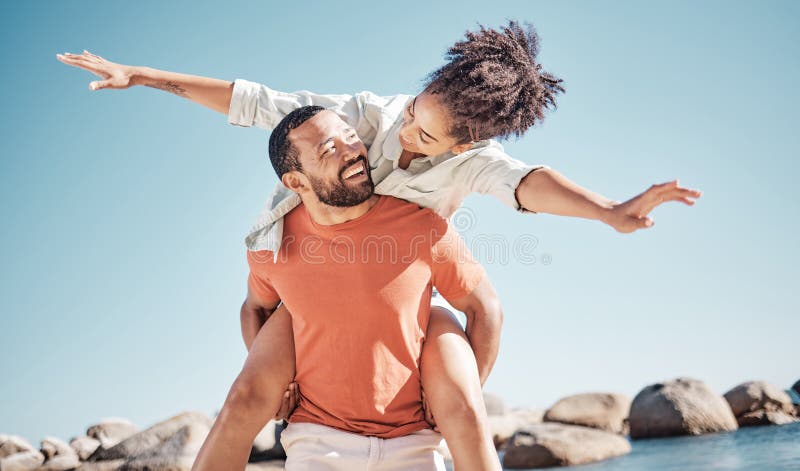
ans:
x=314 y=447
x=438 y=300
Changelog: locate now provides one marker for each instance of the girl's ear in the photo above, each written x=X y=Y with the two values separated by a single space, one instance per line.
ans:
x=461 y=148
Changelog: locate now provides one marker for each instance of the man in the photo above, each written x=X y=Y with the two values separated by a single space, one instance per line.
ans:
x=355 y=271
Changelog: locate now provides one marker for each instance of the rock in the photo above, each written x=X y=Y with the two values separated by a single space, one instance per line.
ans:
x=84 y=446
x=796 y=387
x=266 y=465
x=494 y=404
x=175 y=454
x=766 y=417
x=679 y=407
x=758 y=395
x=552 y=444
x=111 y=465
x=60 y=463
x=267 y=445
x=58 y=455
x=52 y=447
x=169 y=445
x=111 y=431
x=22 y=461
x=502 y=427
x=13 y=444
x=597 y=410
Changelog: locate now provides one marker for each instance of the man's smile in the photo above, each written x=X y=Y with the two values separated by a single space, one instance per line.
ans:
x=357 y=169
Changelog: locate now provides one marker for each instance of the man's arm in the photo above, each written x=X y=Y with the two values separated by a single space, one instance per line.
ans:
x=209 y=92
x=547 y=191
x=253 y=315
x=484 y=322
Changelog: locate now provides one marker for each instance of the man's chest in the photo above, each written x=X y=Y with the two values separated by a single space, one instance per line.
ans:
x=326 y=280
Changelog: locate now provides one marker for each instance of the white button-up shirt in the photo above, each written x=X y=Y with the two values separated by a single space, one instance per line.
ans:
x=439 y=182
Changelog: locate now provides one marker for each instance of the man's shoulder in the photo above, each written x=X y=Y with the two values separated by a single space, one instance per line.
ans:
x=260 y=259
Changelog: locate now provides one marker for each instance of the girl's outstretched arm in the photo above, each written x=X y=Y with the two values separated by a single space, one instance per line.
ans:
x=209 y=92
x=547 y=191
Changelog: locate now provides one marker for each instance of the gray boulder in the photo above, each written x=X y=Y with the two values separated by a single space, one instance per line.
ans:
x=796 y=387
x=111 y=431
x=111 y=465
x=758 y=395
x=766 y=417
x=171 y=445
x=552 y=444
x=604 y=411
x=760 y=403
x=175 y=454
x=502 y=427
x=58 y=455
x=679 y=407
x=22 y=461
x=52 y=447
x=84 y=446
x=266 y=465
x=13 y=444
x=495 y=405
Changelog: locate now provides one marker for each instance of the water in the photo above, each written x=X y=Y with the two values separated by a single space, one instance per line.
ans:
x=750 y=448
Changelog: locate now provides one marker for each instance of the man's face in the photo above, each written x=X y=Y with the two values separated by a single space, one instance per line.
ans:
x=334 y=160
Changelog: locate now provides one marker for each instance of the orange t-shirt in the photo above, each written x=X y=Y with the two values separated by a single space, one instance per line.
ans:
x=359 y=294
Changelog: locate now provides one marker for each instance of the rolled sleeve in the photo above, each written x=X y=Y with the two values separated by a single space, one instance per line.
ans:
x=244 y=102
x=494 y=173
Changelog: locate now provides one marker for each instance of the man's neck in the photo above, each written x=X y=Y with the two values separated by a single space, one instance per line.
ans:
x=326 y=215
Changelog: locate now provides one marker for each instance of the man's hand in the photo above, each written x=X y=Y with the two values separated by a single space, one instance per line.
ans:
x=633 y=214
x=290 y=399
x=114 y=75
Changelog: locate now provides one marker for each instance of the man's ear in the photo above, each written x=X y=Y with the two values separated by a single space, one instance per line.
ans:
x=294 y=181
x=461 y=148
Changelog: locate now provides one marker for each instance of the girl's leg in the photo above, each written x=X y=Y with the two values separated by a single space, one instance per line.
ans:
x=453 y=392
x=254 y=397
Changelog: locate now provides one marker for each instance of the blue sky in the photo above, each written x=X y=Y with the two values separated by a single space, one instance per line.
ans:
x=124 y=211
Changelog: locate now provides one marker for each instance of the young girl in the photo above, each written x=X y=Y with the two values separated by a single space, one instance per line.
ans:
x=432 y=149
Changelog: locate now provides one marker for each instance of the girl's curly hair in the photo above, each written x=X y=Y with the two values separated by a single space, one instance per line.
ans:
x=492 y=85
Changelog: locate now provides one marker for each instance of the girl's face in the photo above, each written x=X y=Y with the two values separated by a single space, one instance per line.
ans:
x=425 y=128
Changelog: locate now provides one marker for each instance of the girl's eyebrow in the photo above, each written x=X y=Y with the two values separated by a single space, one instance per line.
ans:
x=422 y=131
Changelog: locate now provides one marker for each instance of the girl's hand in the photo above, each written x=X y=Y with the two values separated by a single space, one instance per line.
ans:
x=114 y=75
x=290 y=400
x=428 y=413
x=633 y=214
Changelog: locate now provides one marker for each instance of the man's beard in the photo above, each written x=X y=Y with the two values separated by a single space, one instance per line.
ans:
x=342 y=194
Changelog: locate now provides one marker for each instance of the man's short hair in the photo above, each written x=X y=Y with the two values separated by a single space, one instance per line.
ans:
x=283 y=155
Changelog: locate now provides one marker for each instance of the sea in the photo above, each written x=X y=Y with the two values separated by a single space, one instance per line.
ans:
x=767 y=448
